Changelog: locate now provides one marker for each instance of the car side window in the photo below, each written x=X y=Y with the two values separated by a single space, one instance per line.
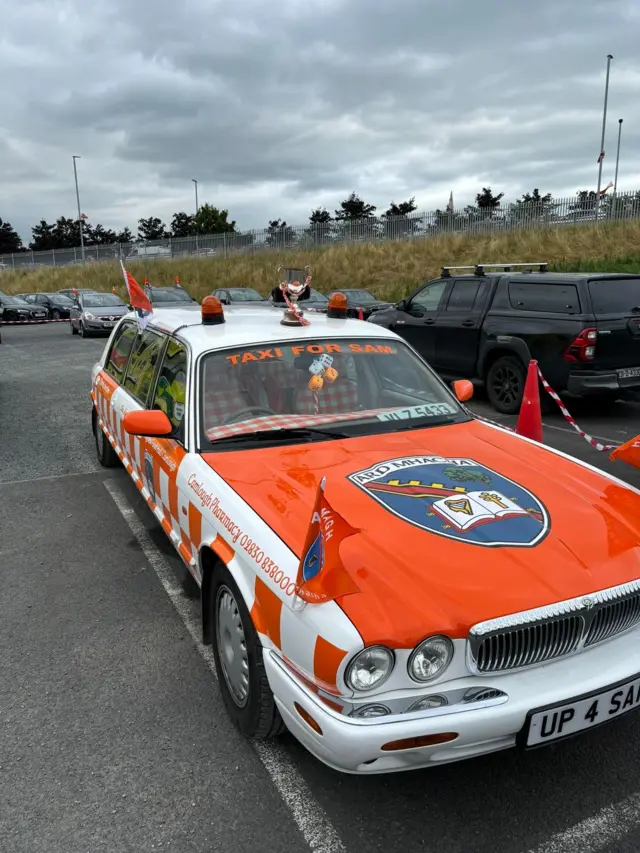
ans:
x=30 y=298
x=465 y=294
x=42 y=299
x=171 y=385
x=557 y=298
x=142 y=365
x=428 y=299
x=120 y=350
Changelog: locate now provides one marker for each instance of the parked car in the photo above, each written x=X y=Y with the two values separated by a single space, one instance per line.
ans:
x=72 y=291
x=162 y=296
x=149 y=253
x=358 y=300
x=57 y=305
x=582 y=328
x=317 y=302
x=14 y=309
x=233 y=295
x=96 y=313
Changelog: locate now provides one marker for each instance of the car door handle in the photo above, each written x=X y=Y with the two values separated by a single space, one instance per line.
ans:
x=429 y=322
x=468 y=322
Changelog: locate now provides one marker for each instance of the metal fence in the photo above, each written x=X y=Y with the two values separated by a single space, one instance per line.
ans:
x=556 y=213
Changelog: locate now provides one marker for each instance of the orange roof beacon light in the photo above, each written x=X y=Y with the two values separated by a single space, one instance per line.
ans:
x=212 y=313
x=337 y=306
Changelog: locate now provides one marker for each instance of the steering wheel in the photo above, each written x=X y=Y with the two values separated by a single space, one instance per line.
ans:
x=249 y=410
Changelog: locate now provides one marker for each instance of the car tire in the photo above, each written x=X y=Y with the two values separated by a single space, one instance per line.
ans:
x=238 y=656
x=505 y=384
x=82 y=331
x=55 y=314
x=107 y=457
x=74 y=331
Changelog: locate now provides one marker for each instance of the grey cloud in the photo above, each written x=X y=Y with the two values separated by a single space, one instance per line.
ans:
x=298 y=101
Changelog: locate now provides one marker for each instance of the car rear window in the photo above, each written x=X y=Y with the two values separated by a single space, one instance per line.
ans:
x=614 y=295
x=545 y=297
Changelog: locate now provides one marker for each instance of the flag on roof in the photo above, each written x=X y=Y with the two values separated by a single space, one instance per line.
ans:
x=321 y=574
x=138 y=298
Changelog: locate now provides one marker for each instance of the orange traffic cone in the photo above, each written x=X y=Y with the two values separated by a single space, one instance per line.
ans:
x=360 y=314
x=530 y=418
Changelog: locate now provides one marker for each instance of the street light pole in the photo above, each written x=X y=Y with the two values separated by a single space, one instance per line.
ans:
x=195 y=183
x=604 y=126
x=75 y=172
x=615 y=180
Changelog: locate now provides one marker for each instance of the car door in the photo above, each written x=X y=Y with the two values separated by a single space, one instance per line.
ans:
x=156 y=378
x=416 y=321
x=458 y=323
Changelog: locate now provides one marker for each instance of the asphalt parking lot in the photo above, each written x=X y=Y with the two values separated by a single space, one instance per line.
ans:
x=112 y=735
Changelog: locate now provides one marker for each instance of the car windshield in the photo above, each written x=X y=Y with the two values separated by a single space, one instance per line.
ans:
x=316 y=296
x=360 y=296
x=14 y=300
x=60 y=299
x=245 y=294
x=615 y=296
x=168 y=296
x=101 y=300
x=285 y=391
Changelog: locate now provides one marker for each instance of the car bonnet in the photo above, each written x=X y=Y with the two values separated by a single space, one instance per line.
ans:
x=438 y=547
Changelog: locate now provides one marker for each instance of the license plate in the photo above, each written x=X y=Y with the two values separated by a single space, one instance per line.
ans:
x=579 y=715
x=108 y=325
x=629 y=372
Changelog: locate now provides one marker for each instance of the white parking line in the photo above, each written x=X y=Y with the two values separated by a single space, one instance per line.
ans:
x=597 y=832
x=573 y=432
x=309 y=816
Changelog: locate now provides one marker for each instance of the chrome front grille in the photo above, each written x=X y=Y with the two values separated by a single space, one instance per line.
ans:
x=548 y=633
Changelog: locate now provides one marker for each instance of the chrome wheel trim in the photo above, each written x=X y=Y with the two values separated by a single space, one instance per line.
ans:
x=232 y=646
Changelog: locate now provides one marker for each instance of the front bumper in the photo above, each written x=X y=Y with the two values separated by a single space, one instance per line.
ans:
x=100 y=326
x=586 y=383
x=355 y=746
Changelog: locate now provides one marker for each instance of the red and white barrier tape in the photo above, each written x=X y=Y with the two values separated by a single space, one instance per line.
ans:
x=31 y=322
x=568 y=417
x=565 y=413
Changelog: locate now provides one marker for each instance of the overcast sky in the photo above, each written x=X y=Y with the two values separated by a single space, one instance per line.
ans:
x=278 y=107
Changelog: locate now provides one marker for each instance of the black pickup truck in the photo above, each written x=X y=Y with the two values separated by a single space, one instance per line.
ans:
x=582 y=328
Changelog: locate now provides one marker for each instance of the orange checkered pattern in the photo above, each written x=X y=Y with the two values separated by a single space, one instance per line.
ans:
x=317 y=658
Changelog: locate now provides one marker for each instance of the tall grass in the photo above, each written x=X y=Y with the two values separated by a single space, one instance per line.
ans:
x=389 y=269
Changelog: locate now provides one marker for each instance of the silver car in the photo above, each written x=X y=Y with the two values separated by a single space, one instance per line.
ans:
x=96 y=313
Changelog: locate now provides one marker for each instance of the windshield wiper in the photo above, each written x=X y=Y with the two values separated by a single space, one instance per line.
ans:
x=304 y=433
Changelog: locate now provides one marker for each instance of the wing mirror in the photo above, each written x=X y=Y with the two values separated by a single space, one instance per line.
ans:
x=401 y=306
x=149 y=422
x=463 y=389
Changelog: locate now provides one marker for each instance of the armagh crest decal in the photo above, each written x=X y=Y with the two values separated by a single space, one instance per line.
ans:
x=457 y=498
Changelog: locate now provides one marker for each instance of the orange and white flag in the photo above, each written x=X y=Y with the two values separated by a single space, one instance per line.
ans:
x=138 y=298
x=628 y=452
x=321 y=574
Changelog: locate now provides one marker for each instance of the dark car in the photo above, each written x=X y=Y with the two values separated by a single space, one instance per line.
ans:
x=168 y=296
x=15 y=309
x=96 y=313
x=242 y=295
x=361 y=300
x=317 y=301
x=582 y=328
x=57 y=305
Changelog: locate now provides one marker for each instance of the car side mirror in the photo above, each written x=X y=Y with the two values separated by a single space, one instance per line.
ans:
x=149 y=422
x=401 y=306
x=463 y=389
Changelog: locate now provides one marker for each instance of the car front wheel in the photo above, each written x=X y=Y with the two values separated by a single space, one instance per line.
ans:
x=107 y=457
x=505 y=384
x=238 y=656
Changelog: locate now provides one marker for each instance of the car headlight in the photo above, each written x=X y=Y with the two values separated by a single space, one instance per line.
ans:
x=370 y=668
x=88 y=316
x=430 y=658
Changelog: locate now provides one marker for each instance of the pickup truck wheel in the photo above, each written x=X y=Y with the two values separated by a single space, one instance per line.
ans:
x=237 y=652
x=505 y=384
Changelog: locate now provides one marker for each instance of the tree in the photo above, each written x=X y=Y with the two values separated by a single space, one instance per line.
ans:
x=10 y=240
x=42 y=236
x=152 y=229
x=124 y=236
x=398 y=220
x=354 y=208
x=183 y=225
x=99 y=236
x=210 y=220
x=533 y=206
x=280 y=235
x=320 y=226
x=585 y=202
x=487 y=202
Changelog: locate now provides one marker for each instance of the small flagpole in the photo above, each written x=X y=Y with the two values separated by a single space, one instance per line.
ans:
x=604 y=127
x=615 y=180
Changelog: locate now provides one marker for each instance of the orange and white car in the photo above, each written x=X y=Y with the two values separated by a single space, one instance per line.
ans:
x=398 y=583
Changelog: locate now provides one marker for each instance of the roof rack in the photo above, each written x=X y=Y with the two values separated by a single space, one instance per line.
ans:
x=479 y=269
